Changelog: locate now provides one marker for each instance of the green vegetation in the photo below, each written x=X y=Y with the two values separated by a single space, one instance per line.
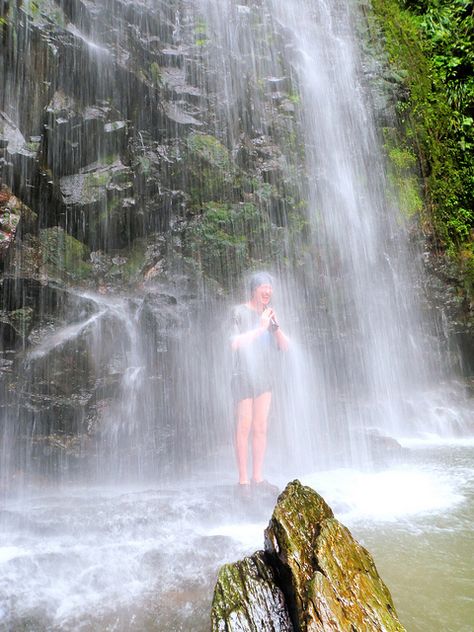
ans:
x=430 y=44
x=403 y=181
x=218 y=239
x=200 y=31
x=37 y=9
x=155 y=73
x=236 y=219
x=210 y=173
x=61 y=253
x=129 y=267
x=209 y=149
x=21 y=320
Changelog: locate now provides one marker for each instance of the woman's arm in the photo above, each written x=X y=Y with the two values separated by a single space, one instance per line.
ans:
x=242 y=340
x=282 y=340
x=247 y=337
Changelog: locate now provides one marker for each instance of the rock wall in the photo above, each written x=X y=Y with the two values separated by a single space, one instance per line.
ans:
x=328 y=580
x=108 y=129
x=123 y=173
x=118 y=176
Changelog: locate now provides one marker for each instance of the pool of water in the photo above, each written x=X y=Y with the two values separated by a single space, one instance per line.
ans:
x=147 y=559
x=426 y=557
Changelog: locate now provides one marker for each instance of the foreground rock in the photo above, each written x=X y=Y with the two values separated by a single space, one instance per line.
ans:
x=329 y=581
x=247 y=598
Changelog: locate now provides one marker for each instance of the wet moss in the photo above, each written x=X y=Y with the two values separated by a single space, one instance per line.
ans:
x=155 y=74
x=44 y=10
x=352 y=580
x=330 y=581
x=210 y=150
x=290 y=539
x=21 y=320
x=404 y=183
x=247 y=598
x=63 y=255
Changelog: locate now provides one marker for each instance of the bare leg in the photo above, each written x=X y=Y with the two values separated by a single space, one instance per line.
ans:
x=261 y=408
x=244 y=423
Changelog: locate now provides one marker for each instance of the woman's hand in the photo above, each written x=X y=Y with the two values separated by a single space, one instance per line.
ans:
x=268 y=315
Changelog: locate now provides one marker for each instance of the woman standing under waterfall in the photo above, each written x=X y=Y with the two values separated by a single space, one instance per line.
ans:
x=256 y=337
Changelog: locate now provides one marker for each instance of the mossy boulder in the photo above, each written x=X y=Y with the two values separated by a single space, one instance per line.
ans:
x=329 y=581
x=290 y=539
x=347 y=592
x=262 y=610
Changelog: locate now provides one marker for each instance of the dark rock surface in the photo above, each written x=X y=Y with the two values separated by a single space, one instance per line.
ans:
x=264 y=608
x=107 y=145
x=447 y=296
x=329 y=581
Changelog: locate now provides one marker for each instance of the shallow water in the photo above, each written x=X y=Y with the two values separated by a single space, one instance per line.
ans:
x=147 y=559
x=426 y=558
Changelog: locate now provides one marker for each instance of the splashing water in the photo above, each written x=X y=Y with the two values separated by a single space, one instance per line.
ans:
x=361 y=359
x=154 y=363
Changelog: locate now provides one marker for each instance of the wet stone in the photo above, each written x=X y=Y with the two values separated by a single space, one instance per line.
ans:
x=10 y=213
x=263 y=610
x=180 y=117
x=312 y=573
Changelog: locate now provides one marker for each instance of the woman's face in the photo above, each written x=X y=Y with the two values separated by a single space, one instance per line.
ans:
x=263 y=294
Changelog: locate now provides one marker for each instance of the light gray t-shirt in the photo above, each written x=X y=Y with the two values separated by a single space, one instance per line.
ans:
x=255 y=360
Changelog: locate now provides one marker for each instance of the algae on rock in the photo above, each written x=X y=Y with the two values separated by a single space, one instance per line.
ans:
x=263 y=610
x=329 y=581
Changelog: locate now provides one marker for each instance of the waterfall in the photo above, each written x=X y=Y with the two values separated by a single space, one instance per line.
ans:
x=166 y=149
x=294 y=72
x=265 y=114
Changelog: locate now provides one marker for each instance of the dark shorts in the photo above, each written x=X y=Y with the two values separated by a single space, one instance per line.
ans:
x=244 y=387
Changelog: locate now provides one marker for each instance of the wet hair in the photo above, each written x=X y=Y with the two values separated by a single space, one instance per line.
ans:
x=259 y=278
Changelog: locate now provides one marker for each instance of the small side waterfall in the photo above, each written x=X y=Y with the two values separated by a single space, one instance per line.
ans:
x=136 y=360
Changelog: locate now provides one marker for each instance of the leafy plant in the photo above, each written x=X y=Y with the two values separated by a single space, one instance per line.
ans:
x=431 y=47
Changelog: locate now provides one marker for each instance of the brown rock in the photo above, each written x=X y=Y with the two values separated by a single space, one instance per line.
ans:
x=247 y=599
x=313 y=577
x=10 y=213
x=329 y=580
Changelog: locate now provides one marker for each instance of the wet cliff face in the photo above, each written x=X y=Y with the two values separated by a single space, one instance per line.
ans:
x=151 y=156
x=111 y=130
x=122 y=172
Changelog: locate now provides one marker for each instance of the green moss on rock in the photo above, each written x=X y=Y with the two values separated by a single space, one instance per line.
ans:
x=247 y=599
x=63 y=254
x=352 y=589
x=328 y=580
x=404 y=183
x=290 y=538
x=209 y=149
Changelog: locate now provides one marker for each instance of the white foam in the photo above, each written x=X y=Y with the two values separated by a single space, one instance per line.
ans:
x=249 y=535
x=387 y=495
x=8 y=553
x=435 y=440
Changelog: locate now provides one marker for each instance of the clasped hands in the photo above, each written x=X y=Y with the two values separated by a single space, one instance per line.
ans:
x=268 y=320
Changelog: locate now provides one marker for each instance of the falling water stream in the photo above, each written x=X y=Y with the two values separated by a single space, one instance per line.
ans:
x=131 y=537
